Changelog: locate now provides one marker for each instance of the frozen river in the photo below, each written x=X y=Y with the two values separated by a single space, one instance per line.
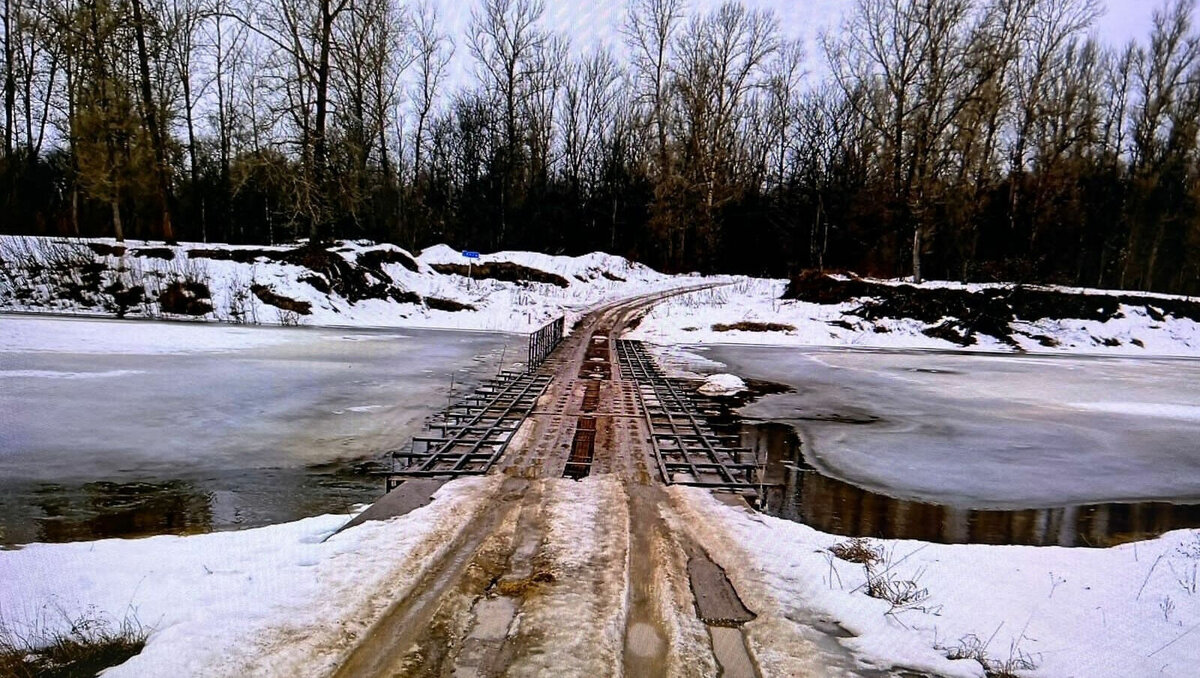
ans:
x=111 y=427
x=988 y=430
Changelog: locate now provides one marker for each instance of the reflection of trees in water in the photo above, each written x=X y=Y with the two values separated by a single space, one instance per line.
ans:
x=107 y=509
x=246 y=498
x=804 y=495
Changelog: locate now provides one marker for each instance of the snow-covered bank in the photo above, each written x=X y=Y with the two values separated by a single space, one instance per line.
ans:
x=350 y=284
x=272 y=601
x=753 y=311
x=363 y=284
x=1131 y=610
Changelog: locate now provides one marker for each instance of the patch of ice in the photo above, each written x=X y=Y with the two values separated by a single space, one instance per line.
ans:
x=365 y=408
x=366 y=337
x=66 y=335
x=53 y=374
x=1161 y=410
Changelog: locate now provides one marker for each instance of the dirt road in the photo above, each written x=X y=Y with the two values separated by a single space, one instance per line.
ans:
x=601 y=576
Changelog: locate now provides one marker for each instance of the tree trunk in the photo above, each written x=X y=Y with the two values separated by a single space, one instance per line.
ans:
x=193 y=168
x=10 y=83
x=118 y=227
x=318 y=229
x=916 y=255
x=152 y=122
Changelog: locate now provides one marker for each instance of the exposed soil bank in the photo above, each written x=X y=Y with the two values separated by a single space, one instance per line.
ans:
x=959 y=314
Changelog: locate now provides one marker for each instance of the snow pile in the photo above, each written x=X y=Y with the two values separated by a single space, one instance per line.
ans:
x=350 y=284
x=752 y=311
x=284 y=600
x=1123 y=611
x=722 y=385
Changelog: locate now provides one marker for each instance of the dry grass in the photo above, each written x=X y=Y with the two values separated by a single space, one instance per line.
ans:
x=901 y=593
x=89 y=646
x=858 y=550
x=971 y=647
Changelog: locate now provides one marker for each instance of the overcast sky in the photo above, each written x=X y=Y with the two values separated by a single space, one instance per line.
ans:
x=591 y=22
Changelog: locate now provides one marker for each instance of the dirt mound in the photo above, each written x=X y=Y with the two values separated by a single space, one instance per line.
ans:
x=957 y=315
x=1037 y=304
x=164 y=253
x=375 y=259
x=317 y=282
x=820 y=288
x=447 y=305
x=503 y=271
x=405 y=296
x=104 y=250
x=268 y=296
x=352 y=282
x=745 y=326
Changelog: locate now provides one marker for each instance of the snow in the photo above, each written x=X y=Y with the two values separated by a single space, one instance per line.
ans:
x=592 y=279
x=576 y=628
x=690 y=319
x=722 y=385
x=284 y=600
x=1130 y=610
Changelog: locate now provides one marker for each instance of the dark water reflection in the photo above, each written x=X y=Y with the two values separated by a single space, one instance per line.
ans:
x=51 y=512
x=800 y=493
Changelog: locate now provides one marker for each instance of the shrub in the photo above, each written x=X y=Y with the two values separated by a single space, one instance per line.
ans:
x=185 y=297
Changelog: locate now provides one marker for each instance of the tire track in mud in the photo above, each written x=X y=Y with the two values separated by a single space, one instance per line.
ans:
x=556 y=577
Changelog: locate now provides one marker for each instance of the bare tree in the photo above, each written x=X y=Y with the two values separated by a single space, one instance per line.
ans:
x=10 y=81
x=505 y=42
x=782 y=89
x=546 y=72
x=38 y=65
x=433 y=50
x=153 y=118
x=303 y=32
x=181 y=29
x=650 y=28
x=914 y=57
x=721 y=56
x=589 y=97
x=1164 y=134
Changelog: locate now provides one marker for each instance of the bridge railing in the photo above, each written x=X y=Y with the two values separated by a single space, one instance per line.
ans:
x=543 y=342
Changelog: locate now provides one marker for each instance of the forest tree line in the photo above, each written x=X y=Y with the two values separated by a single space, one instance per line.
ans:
x=959 y=139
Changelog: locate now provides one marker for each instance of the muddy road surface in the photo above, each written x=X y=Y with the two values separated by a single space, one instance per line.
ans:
x=592 y=574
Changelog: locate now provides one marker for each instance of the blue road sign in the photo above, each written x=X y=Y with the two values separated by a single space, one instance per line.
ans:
x=470 y=255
